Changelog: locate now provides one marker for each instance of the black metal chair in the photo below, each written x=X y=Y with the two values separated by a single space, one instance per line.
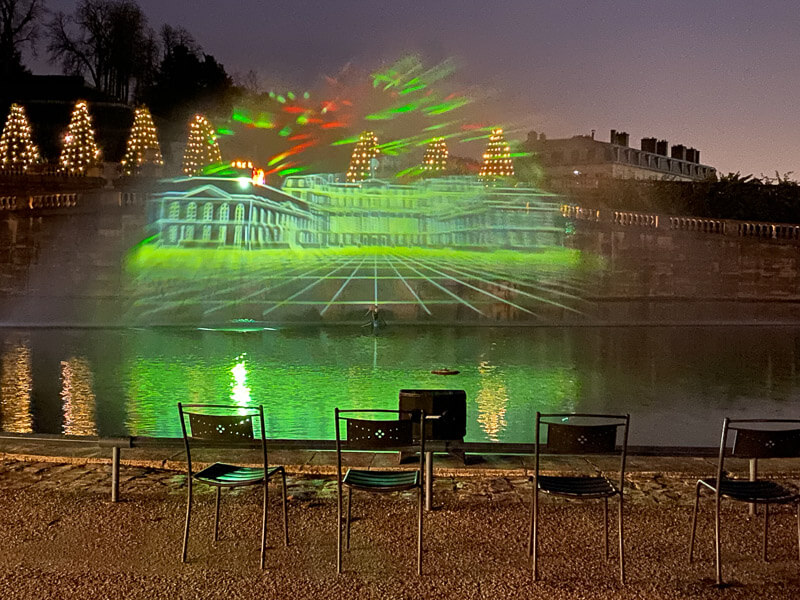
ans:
x=234 y=429
x=751 y=443
x=595 y=434
x=381 y=435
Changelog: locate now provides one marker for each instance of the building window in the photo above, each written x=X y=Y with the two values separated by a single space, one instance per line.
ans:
x=224 y=212
x=239 y=214
x=191 y=211
x=208 y=212
x=175 y=210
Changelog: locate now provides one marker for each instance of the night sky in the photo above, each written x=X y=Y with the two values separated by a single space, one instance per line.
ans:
x=721 y=76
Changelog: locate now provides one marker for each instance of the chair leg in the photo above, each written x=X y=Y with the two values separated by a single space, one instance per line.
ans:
x=285 y=513
x=419 y=534
x=339 y=529
x=621 y=545
x=605 y=526
x=264 y=521
x=530 y=529
x=347 y=521
x=535 y=532
x=188 y=518
x=717 y=535
x=766 y=527
x=694 y=520
x=216 y=514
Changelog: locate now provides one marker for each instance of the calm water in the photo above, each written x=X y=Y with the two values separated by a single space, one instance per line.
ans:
x=677 y=383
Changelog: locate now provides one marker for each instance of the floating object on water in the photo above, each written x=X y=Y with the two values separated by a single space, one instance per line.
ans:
x=445 y=372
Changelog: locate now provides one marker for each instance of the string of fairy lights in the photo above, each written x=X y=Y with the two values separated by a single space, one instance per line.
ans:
x=497 y=158
x=202 y=148
x=435 y=159
x=143 y=148
x=361 y=161
x=80 y=151
x=17 y=150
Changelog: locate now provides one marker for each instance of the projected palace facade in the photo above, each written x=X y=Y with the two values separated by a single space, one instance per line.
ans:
x=322 y=211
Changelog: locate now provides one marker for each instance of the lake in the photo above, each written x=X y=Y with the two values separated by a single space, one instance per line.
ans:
x=677 y=382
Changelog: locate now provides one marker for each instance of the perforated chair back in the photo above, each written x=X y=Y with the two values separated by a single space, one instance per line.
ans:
x=365 y=434
x=222 y=428
x=762 y=443
x=581 y=439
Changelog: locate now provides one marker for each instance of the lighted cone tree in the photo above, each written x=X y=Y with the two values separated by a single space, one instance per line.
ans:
x=143 y=148
x=202 y=148
x=17 y=150
x=435 y=159
x=79 y=152
x=497 y=158
x=361 y=161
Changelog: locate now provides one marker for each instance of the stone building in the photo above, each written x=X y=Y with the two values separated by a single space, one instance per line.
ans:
x=585 y=162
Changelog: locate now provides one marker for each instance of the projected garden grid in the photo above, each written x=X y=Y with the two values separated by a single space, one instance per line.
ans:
x=449 y=249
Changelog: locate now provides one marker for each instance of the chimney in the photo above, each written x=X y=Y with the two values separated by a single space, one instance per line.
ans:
x=649 y=145
x=696 y=156
x=661 y=147
x=623 y=138
x=679 y=152
x=592 y=133
x=613 y=136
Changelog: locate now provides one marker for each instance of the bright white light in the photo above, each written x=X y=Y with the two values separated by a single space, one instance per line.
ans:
x=244 y=182
x=576 y=172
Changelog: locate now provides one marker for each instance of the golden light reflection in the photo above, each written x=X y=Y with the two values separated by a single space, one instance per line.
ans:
x=492 y=400
x=77 y=397
x=16 y=383
x=240 y=392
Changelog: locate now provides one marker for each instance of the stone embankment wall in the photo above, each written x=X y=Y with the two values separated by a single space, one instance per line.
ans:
x=62 y=257
x=663 y=268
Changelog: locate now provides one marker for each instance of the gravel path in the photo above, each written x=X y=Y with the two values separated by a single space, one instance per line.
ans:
x=61 y=538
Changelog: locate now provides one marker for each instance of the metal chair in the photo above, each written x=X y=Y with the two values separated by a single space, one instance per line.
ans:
x=234 y=429
x=751 y=443
x=596 y=434
x=377 y=434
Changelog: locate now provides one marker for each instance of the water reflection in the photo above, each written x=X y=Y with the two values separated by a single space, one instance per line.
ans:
x=77 y=397
x=686 y=377
x=15 y=386
x=240 y=392
x=492 y=400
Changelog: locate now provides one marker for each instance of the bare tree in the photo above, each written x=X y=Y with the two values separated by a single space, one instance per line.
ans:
x=19 y=27
x=108 y=40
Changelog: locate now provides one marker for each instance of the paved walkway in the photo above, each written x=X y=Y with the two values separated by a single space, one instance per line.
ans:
x=64 y=539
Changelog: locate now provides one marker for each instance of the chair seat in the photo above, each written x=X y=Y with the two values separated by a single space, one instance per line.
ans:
x=583 y=487
x=381 y=481
x=753 y=491
x=222 y=474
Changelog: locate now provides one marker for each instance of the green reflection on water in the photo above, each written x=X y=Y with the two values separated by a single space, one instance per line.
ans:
x=300 y=379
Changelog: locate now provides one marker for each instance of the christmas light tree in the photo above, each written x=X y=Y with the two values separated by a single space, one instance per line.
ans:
x=361 y=161
x=143 y=145
x=202 y=148
x=497 y=158
x=17 y=150
x=80 y=151
x=435 y=159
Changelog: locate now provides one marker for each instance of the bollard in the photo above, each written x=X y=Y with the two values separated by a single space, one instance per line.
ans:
x=115 y=474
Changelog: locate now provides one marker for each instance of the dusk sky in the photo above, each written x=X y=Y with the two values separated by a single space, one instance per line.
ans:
x=722 y=77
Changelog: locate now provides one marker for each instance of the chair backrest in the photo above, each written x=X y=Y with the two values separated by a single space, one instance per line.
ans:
x=582 y=433
x=379 y=433
x=759 y=438
x=220 y=425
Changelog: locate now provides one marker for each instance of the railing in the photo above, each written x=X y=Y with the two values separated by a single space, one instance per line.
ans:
x=728 y=227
